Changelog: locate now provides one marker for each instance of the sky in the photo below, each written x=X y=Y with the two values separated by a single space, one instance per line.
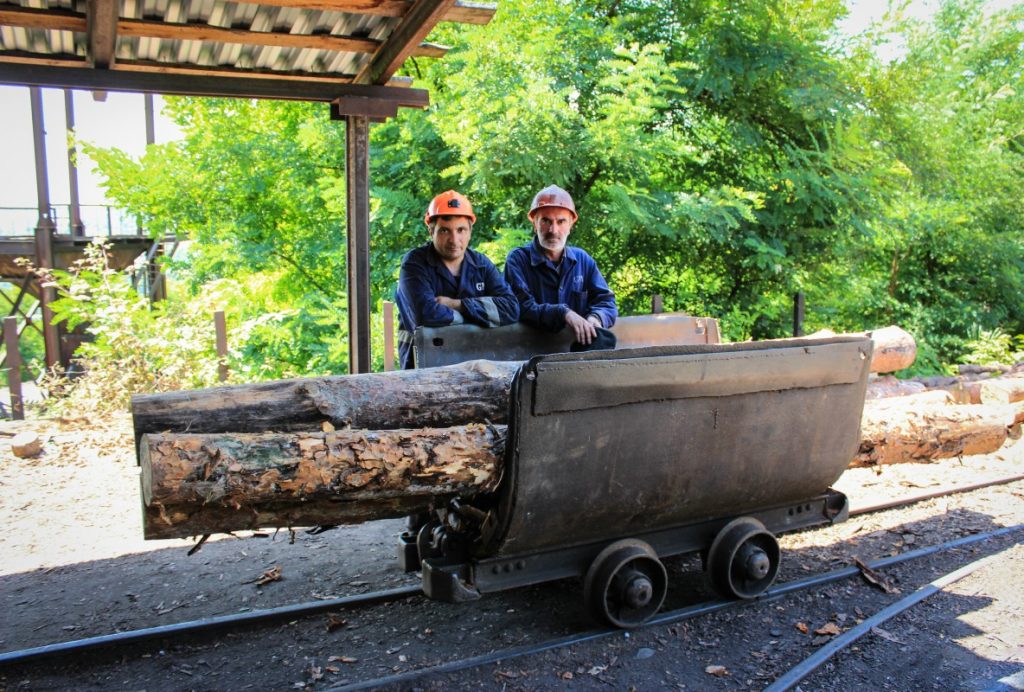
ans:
x=119 y=121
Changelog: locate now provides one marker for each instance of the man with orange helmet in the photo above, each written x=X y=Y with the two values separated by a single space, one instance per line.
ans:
x=444 y=282
x=559 y=285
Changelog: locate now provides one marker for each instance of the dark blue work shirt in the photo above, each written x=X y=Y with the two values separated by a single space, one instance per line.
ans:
x=546 y=291
x=486 y=298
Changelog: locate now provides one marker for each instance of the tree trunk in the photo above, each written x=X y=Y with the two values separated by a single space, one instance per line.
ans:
x=210 y=483
x=895 y=430
x=472 y=392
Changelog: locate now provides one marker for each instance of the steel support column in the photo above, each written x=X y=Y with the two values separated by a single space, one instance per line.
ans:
x=357 y=182
x=75 y=212
x=44 y=229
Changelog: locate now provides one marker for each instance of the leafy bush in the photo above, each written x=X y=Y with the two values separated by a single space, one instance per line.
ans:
x=134 y=347
x=994 y=347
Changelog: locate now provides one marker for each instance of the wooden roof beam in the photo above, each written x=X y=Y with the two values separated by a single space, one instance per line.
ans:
x=59 y=20
x=101 y=31
x=414 y=27
x=463 y=11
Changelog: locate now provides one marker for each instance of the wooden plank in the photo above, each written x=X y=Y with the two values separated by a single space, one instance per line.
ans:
x=59 y=20
x=51 y=20
x=185 y=81
x=12 y=360
x=101 y=32
x=461 y=12
x=410 y=32
x=389 y=336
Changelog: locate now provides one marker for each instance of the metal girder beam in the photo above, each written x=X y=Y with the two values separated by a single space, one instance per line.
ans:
x=101 y=32
x=414 y=27
x=199 y=84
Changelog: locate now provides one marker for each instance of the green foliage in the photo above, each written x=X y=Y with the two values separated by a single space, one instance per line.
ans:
x=133 y=348
x=722 y=153
x=994 y=347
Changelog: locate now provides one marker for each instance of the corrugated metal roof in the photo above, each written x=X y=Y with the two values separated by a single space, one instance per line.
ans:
x=286 y=39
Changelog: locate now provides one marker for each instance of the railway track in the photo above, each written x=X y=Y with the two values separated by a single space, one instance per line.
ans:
x=689 y=612
x=263 y=617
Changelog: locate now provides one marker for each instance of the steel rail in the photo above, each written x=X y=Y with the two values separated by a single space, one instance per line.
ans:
x=206 y=624
x=902 y=502
x=666 y=618
x=800 y=671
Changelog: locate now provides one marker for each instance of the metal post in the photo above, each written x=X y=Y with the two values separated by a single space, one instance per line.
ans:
x=45 y=220
x=13 y=362
x=798 y=314
x=77 y=227
x=389 y=335
x=150 y=121
x=220 y=327
x=657 y=305
x=357 y=182
x=44 y=228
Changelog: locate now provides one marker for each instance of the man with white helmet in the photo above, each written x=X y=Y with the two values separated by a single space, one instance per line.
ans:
x=443 y=282
x=559 y=285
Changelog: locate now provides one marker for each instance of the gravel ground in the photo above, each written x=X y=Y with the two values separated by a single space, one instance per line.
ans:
x=74 y=565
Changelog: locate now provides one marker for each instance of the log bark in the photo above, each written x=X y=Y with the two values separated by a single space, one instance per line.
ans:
x=471 y=392
x=209 y=483
x=896 y=431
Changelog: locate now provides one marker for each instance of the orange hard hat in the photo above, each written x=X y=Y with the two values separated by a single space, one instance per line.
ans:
x=449 y=203
x=553 y=196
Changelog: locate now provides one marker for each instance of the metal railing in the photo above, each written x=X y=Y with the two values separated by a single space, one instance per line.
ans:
x=98 y=220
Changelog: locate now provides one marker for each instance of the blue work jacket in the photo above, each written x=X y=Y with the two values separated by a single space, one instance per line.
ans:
x=486 y=298
x=546 y=292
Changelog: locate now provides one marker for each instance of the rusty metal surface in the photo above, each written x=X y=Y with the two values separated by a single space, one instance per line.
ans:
x=436 y=346
x=629 y=466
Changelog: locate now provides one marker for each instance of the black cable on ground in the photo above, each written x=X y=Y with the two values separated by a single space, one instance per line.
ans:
x=818 y=658
x=206 y=624
x=665 y=618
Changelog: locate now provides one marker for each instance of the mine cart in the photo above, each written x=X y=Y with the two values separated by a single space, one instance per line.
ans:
x=617 y=459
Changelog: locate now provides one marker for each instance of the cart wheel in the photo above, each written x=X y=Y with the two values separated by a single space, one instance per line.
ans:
x=626 y=584
x=743 y=559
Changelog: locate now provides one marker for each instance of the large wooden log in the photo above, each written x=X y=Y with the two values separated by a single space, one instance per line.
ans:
x=894 y=349
x=209 y=483
x=1003 y=390
x=911 y=428
x=471 y=392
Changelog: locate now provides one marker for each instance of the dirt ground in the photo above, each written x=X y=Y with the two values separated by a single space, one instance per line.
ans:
x=74 y=565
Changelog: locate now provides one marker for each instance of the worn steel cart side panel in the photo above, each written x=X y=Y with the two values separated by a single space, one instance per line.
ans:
x=666 y=444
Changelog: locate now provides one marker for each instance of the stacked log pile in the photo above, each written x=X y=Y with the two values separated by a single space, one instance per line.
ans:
x=348 y=449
